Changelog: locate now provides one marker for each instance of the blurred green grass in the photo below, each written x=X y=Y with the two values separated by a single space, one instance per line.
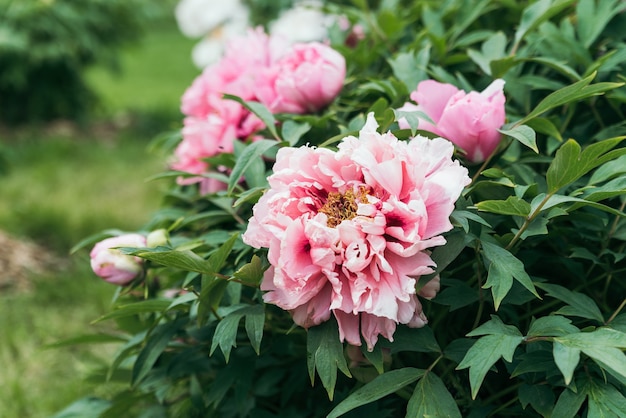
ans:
x=58 y=187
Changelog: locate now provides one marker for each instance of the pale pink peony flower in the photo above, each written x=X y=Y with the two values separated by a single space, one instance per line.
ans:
x=348 y=232
x=307 y=78
x=470 y=120
x=113 y=266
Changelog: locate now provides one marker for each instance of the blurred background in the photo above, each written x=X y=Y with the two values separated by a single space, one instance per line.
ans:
x=85 y=87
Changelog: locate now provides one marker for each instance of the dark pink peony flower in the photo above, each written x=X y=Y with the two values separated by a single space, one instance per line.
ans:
x=348 y=232
x=470 y=120
x=113 y=266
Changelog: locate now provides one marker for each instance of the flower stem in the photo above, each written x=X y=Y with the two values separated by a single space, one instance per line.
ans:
x=617 y=311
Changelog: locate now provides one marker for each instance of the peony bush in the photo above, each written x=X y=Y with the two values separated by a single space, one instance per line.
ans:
x=427 y=220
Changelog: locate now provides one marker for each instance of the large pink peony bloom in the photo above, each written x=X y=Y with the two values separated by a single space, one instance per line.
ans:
x=348 y=232
x=113 y=266
x=470 y=120
x=307 y=78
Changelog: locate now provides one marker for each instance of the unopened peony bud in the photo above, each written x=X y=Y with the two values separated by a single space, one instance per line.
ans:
x=110 y=264
x=469 y=120
x=157 y=238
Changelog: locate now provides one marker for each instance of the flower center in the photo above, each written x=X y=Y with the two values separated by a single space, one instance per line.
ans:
x=340 y=207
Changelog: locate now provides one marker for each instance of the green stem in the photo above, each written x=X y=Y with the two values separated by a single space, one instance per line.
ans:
x=617 y=311
x=481 y=296
x=528 y=221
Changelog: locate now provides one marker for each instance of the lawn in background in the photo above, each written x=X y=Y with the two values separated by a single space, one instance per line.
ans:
x=58 y=187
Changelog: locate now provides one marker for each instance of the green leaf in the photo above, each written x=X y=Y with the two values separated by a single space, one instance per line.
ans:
x=260 y=110
x=431 y=398
x=255 y=321
x=225 y=336
x=184 y=260
x=253 y=151
x=213 y=287
x=87 y=339
x=578 y=304
x=569 y=94
x=383 y=385
x=604 y=399
x=513 y=205
x=445 y=254
x=566 y=359
x=593 y=16
x=570 y=163
x=484 y=354
x=609 y=170
x=503 y=268
x=411 y=68
x=524 y=134
x=568 y=404
x=420 y=340
x=536 y=13
x=492 y=49
x=292 y=131
x=250 y=274
x=157 y=341
x=611 y=359
x=546 y=127
x=540 y=397
x=89 y=407
x=144 y=306
x=325 y=354
x=551 y=326
x=500 y=340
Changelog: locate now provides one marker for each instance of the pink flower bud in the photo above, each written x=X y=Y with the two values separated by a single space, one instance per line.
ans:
x=113 y=266
x=304 y=80
x=469 y=120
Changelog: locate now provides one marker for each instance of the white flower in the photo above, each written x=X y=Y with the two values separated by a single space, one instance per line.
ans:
x=197 y=18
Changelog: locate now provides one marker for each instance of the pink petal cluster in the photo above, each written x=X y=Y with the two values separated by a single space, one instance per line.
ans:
x=349 y=232
x=470 y=120
x=113 y=266
x=298 y=78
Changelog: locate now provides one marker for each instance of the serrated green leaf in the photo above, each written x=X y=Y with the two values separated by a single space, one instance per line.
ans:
x=566 y=359
x=513 y=205
x=247 y=157
x=580 y=305
x=431 y=398
x=524 y=134
x=383 y=385
x=484 y=354
x=503 y=268
x=325 y=354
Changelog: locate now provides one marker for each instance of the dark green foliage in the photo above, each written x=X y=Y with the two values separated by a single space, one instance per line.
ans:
x=529 y=321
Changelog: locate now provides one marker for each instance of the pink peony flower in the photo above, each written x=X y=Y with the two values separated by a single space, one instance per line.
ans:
x=113 y=266
x=470 y=120
x=307 y=78
x=348 y=232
